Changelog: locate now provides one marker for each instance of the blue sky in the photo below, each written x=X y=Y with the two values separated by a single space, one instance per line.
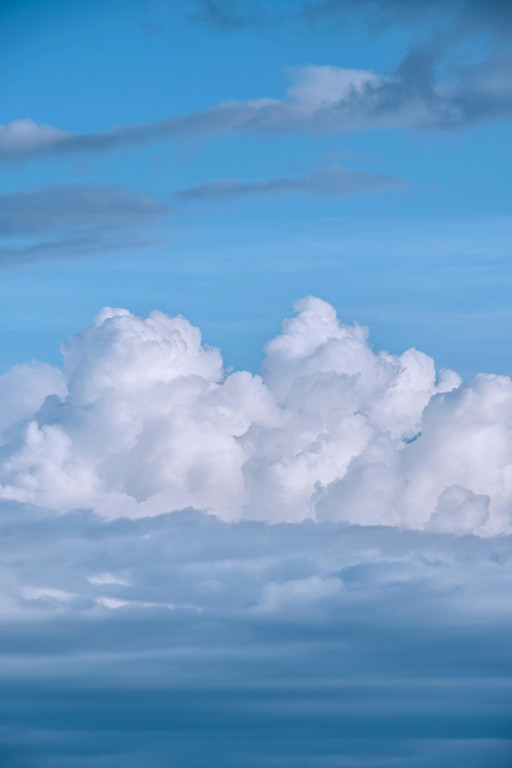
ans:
x=228 y=538
x=424 y=262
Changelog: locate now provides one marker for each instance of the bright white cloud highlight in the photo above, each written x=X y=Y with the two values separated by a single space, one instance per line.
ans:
x=27 y=137
x=144 y=420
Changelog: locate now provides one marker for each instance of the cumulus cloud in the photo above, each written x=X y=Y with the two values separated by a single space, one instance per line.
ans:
x=74 y=220
x=139 y=631
x=321 y=99
x=333 y=182
x=143 y=419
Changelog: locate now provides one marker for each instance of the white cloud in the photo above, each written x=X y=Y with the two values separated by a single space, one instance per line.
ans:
x=23 y=390
x=143 y=420
x=25 y=137
x=321 y=86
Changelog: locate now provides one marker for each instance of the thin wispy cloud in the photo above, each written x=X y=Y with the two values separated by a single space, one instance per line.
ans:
x=465 y=17
x=74 y=220
x=333 y=182
x=322 y=99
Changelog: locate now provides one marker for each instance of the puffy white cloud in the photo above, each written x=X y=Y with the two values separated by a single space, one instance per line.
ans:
x=143 y=420
x=23 y=390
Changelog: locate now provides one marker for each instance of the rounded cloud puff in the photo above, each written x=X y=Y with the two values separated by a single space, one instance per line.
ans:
x=143 y=419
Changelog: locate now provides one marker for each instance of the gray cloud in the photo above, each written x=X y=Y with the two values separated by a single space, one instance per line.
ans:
x=465 y=16
x=190 y=640
x=73 y=220
x=334 y=182
x=185 y=639
x=321 y=99
x=228 y=15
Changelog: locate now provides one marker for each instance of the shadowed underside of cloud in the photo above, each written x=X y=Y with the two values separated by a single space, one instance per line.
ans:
x=322 y=99
x=142 y=420
x=334 y=182
x=74 y=220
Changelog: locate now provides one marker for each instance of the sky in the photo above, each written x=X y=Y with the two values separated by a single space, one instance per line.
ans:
x=398 y=214
x=255 y=384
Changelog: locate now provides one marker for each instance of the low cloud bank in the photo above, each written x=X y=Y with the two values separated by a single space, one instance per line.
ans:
x=142 y=419
x=185 y=639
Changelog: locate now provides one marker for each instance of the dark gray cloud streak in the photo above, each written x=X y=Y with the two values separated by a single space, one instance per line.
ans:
x=74 y=220
x=334 y=182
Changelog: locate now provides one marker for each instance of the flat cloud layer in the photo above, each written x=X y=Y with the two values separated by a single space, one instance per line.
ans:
x=182 y=639
x=143 y=420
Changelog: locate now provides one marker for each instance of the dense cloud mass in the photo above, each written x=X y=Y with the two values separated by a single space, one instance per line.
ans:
x=143 y=420
x=182 y=639
x=141 y=632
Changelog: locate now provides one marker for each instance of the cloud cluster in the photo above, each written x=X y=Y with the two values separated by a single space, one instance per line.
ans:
x=136 y=632
x=143 y=420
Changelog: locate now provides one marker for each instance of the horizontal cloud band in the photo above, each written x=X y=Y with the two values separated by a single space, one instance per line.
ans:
x=322 y=99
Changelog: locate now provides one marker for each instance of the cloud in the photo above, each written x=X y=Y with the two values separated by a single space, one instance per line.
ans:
x=466 y=16
x=331 y=606
x=227 y=15
x=150 y=423
x=73 y=220
x=334 y=182
x=25 y=137
x=248 y=644
x=322 y=99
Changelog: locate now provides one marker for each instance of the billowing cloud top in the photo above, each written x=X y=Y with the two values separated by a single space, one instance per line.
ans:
x=143 y=420
x=137 y=634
